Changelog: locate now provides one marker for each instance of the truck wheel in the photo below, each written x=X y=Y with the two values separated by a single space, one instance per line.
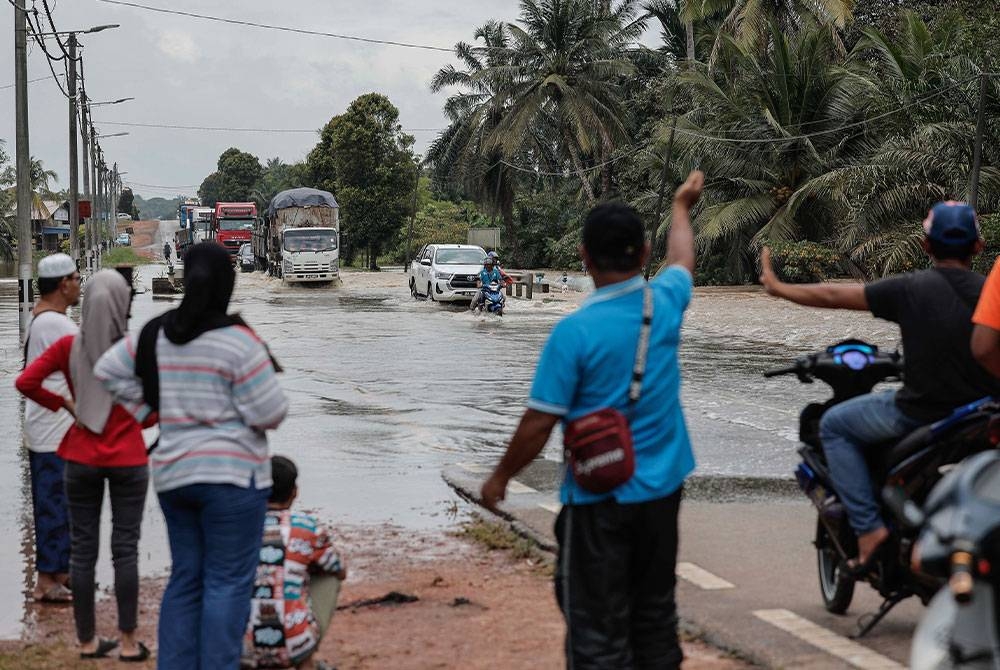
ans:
x=413 y=289
x=430 y=293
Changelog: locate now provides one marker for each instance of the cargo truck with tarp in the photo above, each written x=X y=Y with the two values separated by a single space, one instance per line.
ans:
x=298 y=240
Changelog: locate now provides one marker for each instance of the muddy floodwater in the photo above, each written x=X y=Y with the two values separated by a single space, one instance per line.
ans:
x=385 y=390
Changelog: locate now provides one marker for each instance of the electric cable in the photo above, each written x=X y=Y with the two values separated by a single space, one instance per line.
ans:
x=828 y=131
x=169 y=126
x=30 y=81
x=300 y=31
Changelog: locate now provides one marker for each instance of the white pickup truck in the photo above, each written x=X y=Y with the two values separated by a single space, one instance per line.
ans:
x=446 y=272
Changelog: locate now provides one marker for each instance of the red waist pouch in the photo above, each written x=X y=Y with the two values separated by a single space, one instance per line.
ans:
x=599 y=450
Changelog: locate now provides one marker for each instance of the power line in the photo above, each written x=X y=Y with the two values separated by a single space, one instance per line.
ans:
x=828 y=131
x=170 y=126
x=30 y=81
x=300 y=31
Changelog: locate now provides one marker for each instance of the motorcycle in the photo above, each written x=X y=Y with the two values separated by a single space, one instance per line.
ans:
x=910 y=466
x=493 y=299
x=959 y=543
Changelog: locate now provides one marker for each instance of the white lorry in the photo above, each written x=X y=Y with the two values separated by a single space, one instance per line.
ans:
x=299 y=238
x=446 y=272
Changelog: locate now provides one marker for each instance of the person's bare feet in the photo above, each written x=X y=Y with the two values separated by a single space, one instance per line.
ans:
x=869 y=542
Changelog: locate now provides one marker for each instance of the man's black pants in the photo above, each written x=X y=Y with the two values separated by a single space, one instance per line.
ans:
x=615 y=584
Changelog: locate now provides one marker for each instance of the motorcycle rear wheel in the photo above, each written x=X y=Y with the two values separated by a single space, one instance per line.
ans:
x=835 y=586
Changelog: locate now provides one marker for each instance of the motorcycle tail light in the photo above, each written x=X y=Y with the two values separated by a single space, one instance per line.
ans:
x=984 y=568
x=994 y=431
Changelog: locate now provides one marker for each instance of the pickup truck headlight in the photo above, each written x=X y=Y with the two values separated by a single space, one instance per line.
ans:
x=442 y=275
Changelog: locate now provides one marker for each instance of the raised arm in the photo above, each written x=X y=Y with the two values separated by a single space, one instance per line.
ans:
x=680 y=242
x=830 y=296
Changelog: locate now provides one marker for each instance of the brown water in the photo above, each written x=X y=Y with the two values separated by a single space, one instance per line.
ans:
x=386 y=390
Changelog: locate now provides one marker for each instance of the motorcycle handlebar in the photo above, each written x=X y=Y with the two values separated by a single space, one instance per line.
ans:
x=961 y=580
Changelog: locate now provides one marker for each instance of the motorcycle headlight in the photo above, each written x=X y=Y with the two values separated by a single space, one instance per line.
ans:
x=442 y=275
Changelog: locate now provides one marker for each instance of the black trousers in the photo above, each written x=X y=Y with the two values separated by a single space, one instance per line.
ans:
x=85 y=494
x=615 y=584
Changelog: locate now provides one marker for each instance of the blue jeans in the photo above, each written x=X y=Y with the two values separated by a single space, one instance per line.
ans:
x=215 y=534
x=846 y=430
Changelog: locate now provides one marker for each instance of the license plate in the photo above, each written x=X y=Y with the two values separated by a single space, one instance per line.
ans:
x=310 y=277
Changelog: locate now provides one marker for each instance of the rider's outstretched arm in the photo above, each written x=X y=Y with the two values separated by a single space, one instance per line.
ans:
x=831 y=296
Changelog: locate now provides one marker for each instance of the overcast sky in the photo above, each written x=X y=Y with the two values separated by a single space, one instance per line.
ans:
x=194 y=72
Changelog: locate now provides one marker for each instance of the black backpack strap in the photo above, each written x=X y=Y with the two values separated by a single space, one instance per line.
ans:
x=964 y=298
x=146 y=365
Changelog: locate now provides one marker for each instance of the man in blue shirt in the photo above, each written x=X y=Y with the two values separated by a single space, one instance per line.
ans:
x=618 y=551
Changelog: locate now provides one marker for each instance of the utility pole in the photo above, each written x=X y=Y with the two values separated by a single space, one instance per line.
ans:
x=74 y=180
x=23 y=168
x=977 y=151
x=115 y=194
x=98 y=202
x=85 y=145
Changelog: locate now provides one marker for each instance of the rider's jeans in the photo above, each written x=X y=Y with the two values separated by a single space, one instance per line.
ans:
x=846 y=430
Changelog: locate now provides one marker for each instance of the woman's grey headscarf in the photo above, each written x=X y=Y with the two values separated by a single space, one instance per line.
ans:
x=103 y=321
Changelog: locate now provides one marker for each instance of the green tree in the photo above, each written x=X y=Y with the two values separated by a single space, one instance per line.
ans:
x=8 y=234
x=276 y=177
x=465 y=153
x=785 y=122
x=366 y=156
x=126 y=203
x=237 y=173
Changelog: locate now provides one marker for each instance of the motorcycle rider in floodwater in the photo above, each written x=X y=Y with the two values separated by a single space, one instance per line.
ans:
x=489 y=274
x=934 y=311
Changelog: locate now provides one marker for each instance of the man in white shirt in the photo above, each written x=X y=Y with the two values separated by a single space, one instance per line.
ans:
x=59 y=286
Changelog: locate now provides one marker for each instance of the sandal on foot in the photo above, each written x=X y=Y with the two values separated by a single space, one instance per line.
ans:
x=57 y=594
x=103 y=648
x=137 y=658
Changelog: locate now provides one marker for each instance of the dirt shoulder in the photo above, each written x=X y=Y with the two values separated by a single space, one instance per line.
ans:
x=475 y=607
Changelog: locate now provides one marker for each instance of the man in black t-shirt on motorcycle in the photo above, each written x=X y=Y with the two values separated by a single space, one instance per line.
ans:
x=934 y=310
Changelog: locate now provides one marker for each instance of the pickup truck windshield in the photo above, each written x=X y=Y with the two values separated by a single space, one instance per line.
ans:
x=310 y=240
x=235 y=224
x=459 y=257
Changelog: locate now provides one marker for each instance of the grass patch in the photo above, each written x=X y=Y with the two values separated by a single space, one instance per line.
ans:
x=501 y=537
x=40 y=657
x=124 y=256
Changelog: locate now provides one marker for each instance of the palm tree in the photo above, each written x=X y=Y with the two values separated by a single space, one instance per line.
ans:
x=749 y=21
x=767 y=132
x=462 y=153
x=551 y=82
x=567 y=64
x=927 y=97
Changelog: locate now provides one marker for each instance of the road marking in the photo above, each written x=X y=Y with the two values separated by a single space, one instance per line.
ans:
x=828 y=641
x=553 y=507
x=701 y=577
x=515 y=486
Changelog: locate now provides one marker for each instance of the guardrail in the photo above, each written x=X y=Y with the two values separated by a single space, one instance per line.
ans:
x=524 y=284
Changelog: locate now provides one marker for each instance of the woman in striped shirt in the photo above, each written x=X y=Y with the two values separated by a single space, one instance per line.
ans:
x=216 y=391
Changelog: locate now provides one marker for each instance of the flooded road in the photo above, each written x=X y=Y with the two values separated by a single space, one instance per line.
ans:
x=386 y=390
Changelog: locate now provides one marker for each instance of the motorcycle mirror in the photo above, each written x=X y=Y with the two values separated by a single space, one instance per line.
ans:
x=907 y=512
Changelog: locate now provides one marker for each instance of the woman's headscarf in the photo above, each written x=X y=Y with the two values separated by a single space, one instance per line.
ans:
x=208 y=285
x=103 y=321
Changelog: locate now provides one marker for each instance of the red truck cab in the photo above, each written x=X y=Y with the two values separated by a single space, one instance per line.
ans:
x=233 y=224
